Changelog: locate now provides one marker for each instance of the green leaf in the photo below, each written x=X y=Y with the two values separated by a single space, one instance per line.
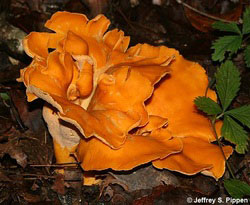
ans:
x=4 y=96
x=227 y=83
x=207 y=105
x=229 y=27
x=246 y=21
x=225 y=44
x=242 y=114
x=236 y=188
x=234 y=133
x=247 y=55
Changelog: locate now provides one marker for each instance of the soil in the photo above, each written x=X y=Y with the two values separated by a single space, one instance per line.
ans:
x=28 y=171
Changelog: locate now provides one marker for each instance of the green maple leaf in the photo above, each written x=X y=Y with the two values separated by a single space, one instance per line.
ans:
x=237 y=188
x=246 y=21
x=227 y=83
x=228 y=27
x=247 y=55
x=235 y=133
x=207 y=105
x=242 y=114
x=225 y=44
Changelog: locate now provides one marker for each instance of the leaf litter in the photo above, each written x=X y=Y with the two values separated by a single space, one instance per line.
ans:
x=21 y=181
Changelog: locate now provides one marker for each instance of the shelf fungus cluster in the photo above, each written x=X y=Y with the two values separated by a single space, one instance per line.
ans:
x=117 y=107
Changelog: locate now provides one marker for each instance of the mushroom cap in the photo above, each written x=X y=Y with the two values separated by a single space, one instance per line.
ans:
x=173 y=98
x=52 y=70
x=109 y=92
x=126 y=106
x=116 y=107
x=197 y=155
x=137 y=150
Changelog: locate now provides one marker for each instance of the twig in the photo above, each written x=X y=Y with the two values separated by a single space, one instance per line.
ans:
x=6 y=104
x=36 y=175
x=126 y=19
x=45 y=137
x=135 y=25
x=220 y=146
x=202 y=13
x=5 y=118
x=4 y=88
x=55 y=165
x=160 y=34
x=35 y=178
x=31 y=138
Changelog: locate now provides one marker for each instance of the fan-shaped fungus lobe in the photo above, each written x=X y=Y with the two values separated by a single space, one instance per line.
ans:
x=116 y=107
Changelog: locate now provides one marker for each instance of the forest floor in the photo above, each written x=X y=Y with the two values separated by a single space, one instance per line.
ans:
x=27 y=163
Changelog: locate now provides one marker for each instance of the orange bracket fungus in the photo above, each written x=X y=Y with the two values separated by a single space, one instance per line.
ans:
x=116 y=107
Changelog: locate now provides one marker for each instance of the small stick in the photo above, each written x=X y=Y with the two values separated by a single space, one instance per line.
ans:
x=202 y=13
x=54 y=165
x=45 y=137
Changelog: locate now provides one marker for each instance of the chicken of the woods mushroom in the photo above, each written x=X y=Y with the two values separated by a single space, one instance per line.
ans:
x=116 y=107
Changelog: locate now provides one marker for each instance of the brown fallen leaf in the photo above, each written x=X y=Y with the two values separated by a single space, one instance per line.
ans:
x=166 y=194
x=145 y=178
x=4 y=178
x=30 y=114
x=17 y=154
x=14 y=152
x=31 y=198
x=108 y=193
x=58 y=185
x=225 y=10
